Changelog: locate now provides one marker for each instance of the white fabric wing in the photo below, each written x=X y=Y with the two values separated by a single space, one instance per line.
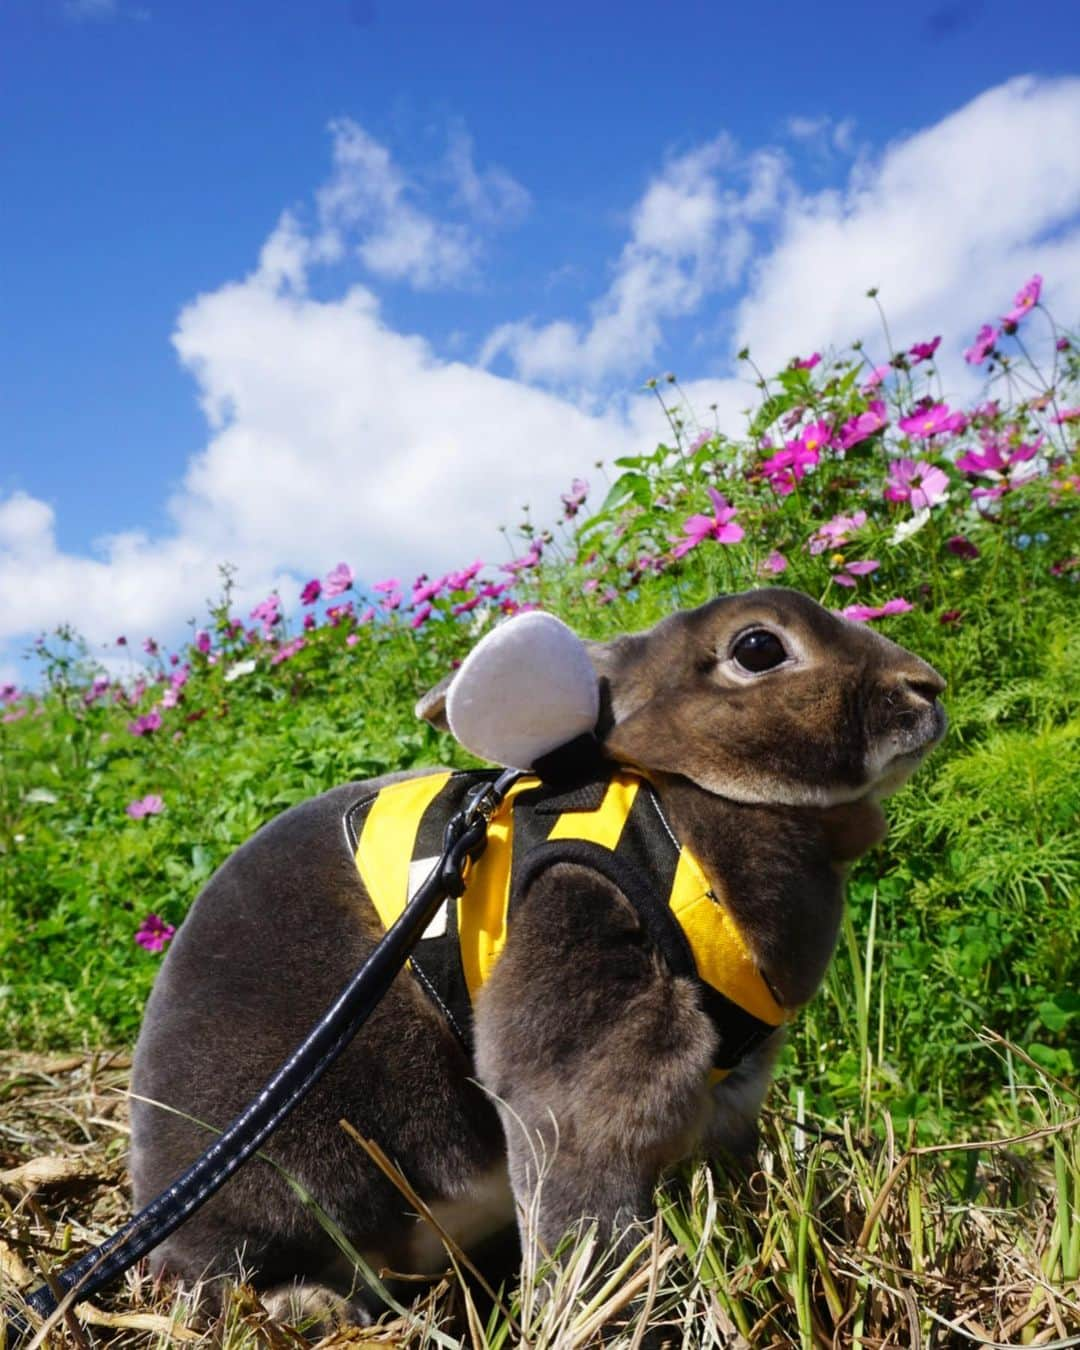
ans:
x=525 y=689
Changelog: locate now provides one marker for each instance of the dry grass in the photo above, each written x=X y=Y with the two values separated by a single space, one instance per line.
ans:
x=837 y=1242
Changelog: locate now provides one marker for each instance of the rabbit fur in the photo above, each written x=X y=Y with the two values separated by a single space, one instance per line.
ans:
x=589 y=1052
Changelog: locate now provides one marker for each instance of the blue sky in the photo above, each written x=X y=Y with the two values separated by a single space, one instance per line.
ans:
x=480 y=228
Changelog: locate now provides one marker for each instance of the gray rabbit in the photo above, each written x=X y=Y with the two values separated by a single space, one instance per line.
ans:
x=608 y=996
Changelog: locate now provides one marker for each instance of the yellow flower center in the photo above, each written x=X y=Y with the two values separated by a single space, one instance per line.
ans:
x=837 y=559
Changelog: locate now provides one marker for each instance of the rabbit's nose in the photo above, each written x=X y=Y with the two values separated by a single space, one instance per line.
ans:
x=925 y=683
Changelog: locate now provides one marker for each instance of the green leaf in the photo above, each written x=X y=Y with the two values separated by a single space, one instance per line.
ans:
x=1056 y=1013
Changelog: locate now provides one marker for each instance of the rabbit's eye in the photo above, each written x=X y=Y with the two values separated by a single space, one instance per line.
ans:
x=759 y=650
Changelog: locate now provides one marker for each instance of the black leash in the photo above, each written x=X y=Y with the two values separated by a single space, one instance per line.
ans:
x=463 y=841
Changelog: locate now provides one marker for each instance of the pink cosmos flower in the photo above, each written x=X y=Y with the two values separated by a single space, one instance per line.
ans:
x=425 y=590
x=146 y=724
x=310 y=622
x=150 y=647
x=860 y=613
x=98 y=689
x=8 y=693
x=700 y=440
x=459 y=581
x=338 y=580
x=774 y=563
x=493 y=590
x=983 y=345
x=153 y=933
x=465 y=606
x=368 y=615
x=921 y=484
x=420 y=617
x=311 y=592
x=527 y=560
x=924 y=351
x=352 y=639
x=807 y=363
x=1000 y=465
x=268 y=613
x=875 y=377
x=961 y=546
x=865 y=613
x=1067 y=415
x=338 y=614
x=862 y=426
x=788 y=466
x=579 y=490
x=816 y=436
x=385 y=587
x=853 y=570
x=202 y=641
x=932 y=421
x=1062 y=344
x=989 y=461
x=289 y=649
x=1027 y=297
x=150 y=805
x=836 y=532
x=718 y=526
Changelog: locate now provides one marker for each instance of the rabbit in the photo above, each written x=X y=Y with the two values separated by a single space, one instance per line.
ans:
x=762 y=730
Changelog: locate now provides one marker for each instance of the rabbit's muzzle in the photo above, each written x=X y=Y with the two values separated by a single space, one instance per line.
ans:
x=910 y=721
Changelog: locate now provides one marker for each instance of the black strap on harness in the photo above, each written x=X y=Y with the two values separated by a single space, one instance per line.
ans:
x=738 y=1031
x=463 y=842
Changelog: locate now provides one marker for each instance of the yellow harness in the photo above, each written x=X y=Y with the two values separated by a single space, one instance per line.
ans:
x=614 y=825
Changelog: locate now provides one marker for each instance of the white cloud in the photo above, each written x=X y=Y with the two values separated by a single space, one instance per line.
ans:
x=340 y=437
x=807 y=128
x=490 y=195
x=947 y=223
x=823 y=133
x=332 y=437
x=372 y=198
x=369 y=195
x=91 y=9
x=690 y=236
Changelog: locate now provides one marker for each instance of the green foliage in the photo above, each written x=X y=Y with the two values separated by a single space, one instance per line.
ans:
x=968 y=915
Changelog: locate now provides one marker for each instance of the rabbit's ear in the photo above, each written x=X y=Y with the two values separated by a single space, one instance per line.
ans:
x=525 y=689
x=431 y=707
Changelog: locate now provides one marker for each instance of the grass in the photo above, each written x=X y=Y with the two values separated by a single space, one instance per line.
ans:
x=843 y=1238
